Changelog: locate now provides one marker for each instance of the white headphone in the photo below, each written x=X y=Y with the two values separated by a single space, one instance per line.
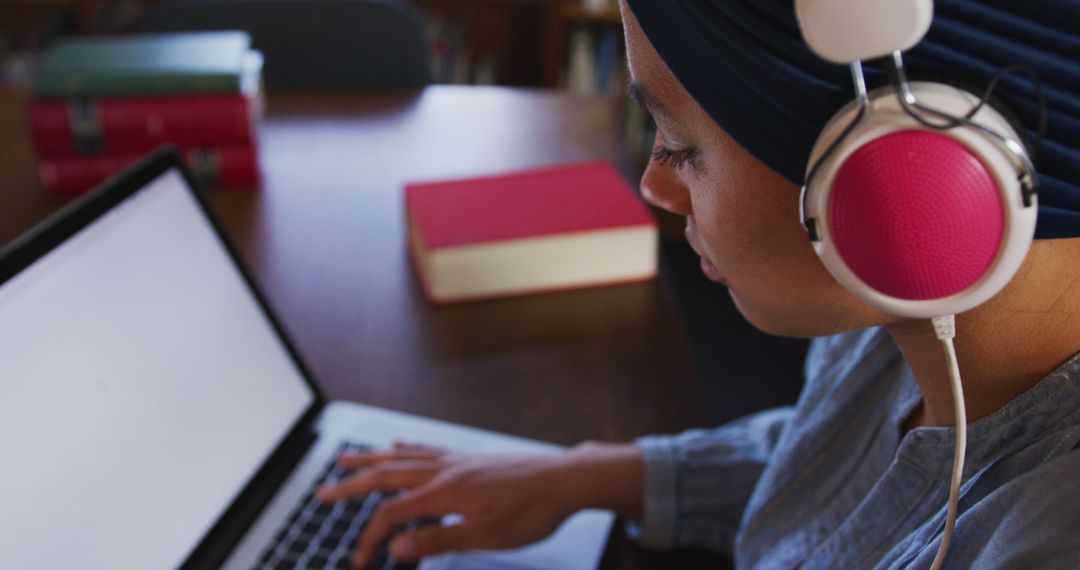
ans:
x=919 y=198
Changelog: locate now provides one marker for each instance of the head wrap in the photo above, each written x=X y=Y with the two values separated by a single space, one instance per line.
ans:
x=746 y=64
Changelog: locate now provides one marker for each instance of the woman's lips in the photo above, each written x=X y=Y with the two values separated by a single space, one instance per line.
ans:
x=707 y=266
x=710 y=271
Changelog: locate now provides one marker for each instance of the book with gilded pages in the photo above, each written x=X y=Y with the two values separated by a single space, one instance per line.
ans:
x=547 y=229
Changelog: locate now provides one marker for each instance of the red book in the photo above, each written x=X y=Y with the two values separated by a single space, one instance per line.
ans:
x=136 y=125
x=554 y=228
x=225 y=167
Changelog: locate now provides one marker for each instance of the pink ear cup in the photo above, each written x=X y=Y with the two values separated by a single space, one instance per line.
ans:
x=916 y=215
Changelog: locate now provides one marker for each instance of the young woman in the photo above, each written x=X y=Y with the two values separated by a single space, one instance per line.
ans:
x=857 y=474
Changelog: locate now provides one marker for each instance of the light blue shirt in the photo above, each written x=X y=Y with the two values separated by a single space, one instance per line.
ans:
x=836 y=483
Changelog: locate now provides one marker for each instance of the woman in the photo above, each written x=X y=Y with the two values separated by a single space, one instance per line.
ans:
x=857 y=474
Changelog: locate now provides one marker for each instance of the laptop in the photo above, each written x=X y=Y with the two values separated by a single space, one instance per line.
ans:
x=153 y=414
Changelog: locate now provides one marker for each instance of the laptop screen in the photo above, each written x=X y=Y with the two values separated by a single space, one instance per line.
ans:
x=141 y=387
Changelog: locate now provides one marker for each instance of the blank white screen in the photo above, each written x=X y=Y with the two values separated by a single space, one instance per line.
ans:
x=140 y=388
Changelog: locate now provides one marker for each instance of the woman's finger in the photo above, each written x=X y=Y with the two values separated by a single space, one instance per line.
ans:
x=362 y=460
x=414 y=447
x=413 y=545
x=390 y=476
x=392 y=514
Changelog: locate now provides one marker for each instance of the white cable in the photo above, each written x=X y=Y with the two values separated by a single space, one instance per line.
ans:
x=945 y=327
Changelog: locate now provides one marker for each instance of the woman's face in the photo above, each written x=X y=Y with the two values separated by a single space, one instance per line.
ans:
x=742 y=218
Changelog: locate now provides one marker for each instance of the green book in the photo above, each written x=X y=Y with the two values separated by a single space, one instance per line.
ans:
x=193 y=62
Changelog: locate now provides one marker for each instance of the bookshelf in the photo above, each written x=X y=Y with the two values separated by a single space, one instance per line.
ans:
x=575 y=22
x=578 y=12
x=525 y=43
x=487 y=41
x=505 y=42
x=21 y=15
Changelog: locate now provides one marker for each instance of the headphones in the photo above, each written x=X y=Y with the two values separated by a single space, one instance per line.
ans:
x=919 y=198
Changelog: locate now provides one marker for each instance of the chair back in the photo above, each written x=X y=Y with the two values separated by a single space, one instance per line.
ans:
x=315 y=43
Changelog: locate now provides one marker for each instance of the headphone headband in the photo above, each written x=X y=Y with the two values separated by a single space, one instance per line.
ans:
x=844 y=31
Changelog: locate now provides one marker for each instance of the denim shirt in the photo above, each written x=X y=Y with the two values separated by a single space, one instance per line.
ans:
x=835 y=482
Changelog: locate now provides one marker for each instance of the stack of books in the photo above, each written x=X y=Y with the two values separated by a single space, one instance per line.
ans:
x=100 y=104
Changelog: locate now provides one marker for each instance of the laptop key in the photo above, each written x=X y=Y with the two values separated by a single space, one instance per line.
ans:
x=318 y=536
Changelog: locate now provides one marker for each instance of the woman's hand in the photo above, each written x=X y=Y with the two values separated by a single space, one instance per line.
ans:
x=504 y=501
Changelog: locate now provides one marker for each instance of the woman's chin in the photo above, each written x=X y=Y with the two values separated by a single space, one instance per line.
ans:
x=751 y=315
x=775 y=323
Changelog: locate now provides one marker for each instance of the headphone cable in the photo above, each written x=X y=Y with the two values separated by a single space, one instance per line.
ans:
x=945 y=327
x=896 y=70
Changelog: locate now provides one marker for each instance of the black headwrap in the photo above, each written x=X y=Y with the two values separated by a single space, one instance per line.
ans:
x=746 y=64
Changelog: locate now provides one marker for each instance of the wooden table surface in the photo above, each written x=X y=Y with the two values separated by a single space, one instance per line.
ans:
x=325 y=237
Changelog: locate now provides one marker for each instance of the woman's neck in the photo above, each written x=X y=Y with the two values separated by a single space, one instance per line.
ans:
x=1005 y=346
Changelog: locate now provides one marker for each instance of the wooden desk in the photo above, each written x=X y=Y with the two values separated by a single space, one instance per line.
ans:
x=326 y=239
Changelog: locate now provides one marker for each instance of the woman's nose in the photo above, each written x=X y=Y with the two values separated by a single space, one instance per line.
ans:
x=661 y=187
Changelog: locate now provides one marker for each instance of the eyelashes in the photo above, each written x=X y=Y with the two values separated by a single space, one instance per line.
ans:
x=673 y=158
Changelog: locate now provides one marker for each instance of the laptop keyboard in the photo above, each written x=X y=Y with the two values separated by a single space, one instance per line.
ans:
x=320 y=536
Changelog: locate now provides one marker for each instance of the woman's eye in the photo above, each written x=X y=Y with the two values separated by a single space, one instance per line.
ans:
x=673 y=158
